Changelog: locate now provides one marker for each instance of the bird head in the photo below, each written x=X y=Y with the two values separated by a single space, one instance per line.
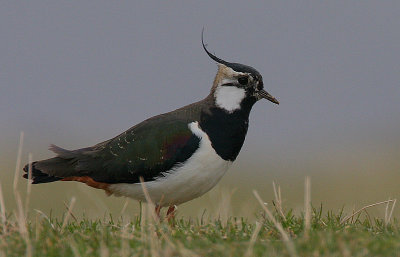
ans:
x=236 y=82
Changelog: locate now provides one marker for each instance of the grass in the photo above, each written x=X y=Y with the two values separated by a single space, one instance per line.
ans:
x=276 y=232
x=144 y=236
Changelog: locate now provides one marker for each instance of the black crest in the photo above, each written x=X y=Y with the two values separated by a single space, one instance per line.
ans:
x=234 y=66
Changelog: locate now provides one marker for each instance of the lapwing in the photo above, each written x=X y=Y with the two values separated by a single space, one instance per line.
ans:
x=178 y=156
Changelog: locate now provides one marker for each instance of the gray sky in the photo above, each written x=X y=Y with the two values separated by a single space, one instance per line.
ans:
x=75 y=73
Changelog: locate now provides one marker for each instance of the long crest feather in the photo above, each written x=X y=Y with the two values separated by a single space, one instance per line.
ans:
x=215 y=58
x=234 y=66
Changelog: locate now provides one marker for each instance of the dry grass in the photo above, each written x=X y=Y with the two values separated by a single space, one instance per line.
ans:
x=275 y=232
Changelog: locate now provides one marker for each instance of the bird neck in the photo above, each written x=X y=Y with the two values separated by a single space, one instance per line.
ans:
x=227 y=130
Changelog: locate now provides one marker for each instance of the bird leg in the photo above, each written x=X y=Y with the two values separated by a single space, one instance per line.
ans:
x=171 y=212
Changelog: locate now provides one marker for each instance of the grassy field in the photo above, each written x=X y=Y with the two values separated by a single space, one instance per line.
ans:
x=276 y=232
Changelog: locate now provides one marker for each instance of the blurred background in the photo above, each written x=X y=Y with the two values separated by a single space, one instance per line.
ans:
x=75 y=73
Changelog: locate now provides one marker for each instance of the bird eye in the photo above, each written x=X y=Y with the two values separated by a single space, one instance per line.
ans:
x=243 y=80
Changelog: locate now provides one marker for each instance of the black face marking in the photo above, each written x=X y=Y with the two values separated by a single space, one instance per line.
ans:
x=243 y=80
x=260 y=85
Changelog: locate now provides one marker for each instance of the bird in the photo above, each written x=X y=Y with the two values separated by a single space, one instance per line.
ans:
x=176 y=156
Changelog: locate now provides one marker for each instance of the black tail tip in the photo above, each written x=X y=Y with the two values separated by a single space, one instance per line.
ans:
x=37 y=175
x=29 y=167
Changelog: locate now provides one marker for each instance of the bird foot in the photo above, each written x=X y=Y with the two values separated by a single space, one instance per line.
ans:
x=171 y=213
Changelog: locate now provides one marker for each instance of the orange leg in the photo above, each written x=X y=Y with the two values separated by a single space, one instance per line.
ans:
x=171 y=212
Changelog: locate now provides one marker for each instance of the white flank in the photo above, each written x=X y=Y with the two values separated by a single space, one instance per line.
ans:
x=229 y=97
x=193 y=178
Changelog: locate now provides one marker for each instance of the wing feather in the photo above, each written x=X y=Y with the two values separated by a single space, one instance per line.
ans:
x=149 y=150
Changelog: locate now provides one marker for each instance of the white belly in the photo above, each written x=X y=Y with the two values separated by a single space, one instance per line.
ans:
x=193 y=178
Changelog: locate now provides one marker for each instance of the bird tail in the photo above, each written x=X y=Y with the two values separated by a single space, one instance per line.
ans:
x=50 y=170
x=37 y=175
x=66 y=166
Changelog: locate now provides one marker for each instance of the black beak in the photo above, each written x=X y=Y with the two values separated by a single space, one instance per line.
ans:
x=264 y=94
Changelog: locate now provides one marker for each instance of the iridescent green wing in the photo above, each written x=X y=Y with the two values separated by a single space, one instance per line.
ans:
x=148 y=150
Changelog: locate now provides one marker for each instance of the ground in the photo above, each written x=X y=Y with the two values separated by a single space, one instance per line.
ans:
x=329 y=234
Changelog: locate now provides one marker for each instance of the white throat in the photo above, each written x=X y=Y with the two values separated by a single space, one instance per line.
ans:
x=229 y=97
